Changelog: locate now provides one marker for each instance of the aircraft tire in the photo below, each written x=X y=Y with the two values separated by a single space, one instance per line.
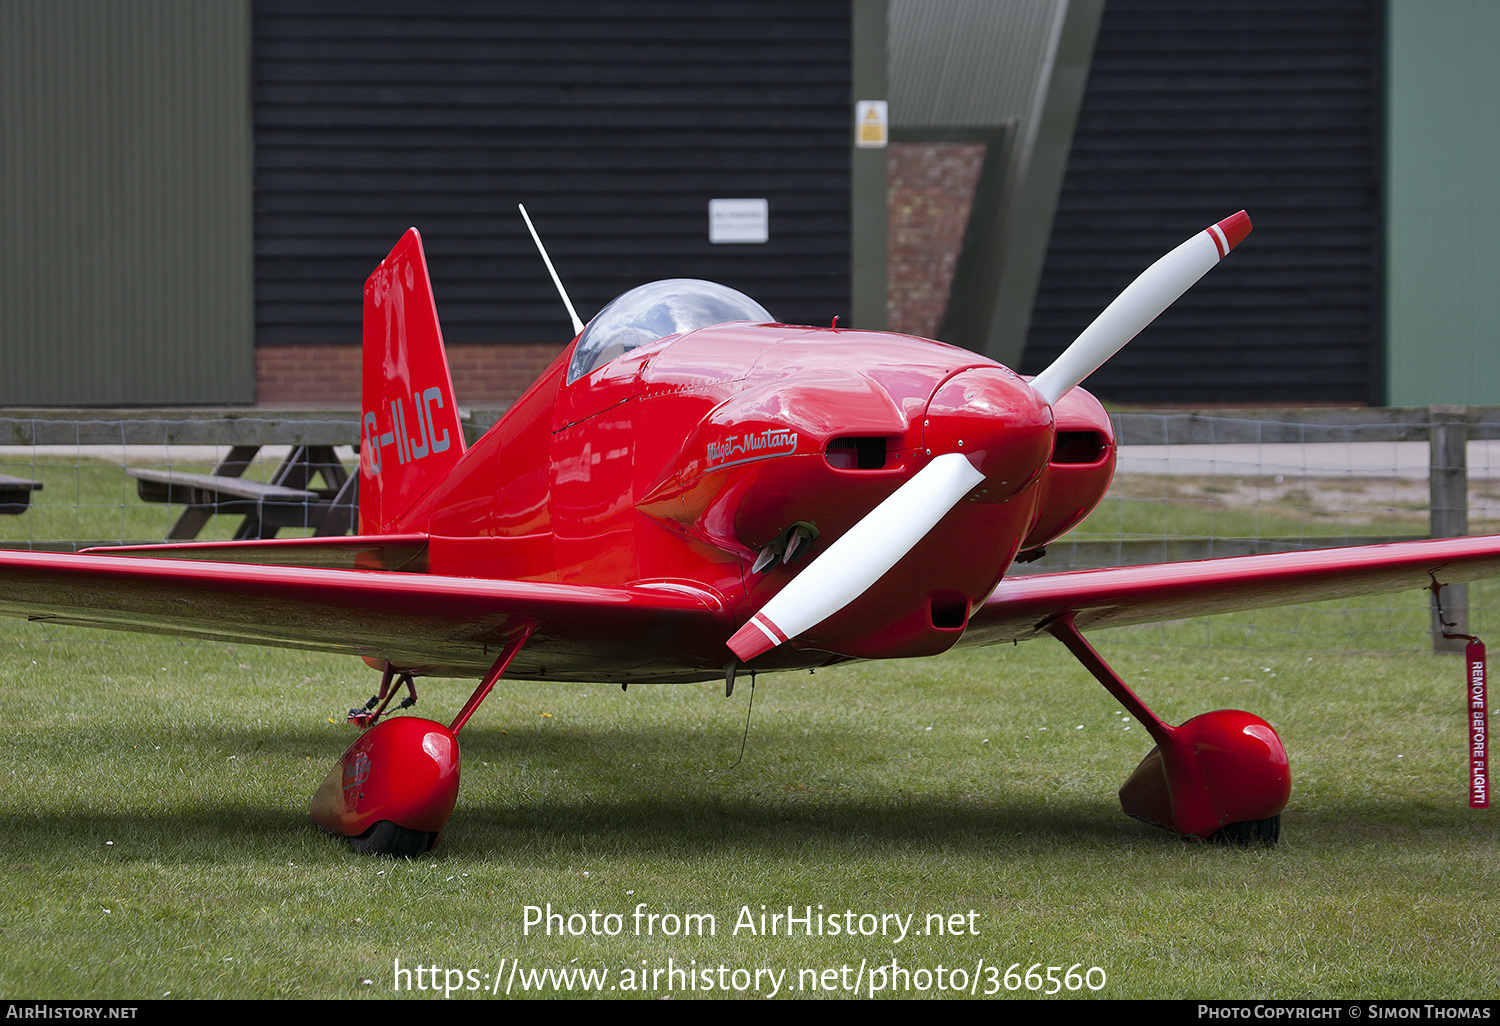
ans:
x=386 y=838
x=1262 y=832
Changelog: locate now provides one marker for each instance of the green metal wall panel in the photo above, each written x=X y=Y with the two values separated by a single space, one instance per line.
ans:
x=125 y=201
x=869 y=172
x=1443 y=205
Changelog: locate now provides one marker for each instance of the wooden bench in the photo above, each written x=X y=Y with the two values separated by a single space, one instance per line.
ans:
x=15 y=493
x=287 y=500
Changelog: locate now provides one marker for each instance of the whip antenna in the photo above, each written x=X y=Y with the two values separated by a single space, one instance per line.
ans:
x=577 y=324
x=746 y=736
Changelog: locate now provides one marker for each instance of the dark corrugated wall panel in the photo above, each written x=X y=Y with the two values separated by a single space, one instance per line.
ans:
x=614 y=123
x=1194 y=111
x=125 y=156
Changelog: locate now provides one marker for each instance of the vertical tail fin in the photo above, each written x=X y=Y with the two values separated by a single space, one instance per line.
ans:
x=410 y=435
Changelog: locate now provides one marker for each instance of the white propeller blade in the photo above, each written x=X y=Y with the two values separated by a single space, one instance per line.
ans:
x=1143 y=300
x=849 y=566
x=861 y=557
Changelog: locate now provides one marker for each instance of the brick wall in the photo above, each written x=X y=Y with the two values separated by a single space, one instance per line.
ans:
x=931 y=189
x=331 y=374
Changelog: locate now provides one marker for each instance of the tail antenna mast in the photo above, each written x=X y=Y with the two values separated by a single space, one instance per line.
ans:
x=577 y=324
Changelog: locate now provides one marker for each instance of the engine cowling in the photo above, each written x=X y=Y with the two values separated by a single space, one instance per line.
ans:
x=1079 y=472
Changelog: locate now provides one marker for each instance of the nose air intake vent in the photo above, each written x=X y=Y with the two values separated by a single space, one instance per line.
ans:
x=1078 y=447
x=864 y=453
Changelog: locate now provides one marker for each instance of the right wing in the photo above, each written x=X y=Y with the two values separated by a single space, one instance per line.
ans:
x=442 y=626
x=349 y=552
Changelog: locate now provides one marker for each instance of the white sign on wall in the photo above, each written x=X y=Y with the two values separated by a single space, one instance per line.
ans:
x=739 y=220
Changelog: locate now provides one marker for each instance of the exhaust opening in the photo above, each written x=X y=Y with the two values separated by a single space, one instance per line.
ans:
x=950 y=611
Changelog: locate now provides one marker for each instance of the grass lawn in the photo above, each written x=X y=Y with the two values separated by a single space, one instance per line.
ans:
x=94 y=500
x=156 y=840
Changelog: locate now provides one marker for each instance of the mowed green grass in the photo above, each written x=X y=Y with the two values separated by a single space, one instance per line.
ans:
x=156 y=840
x=95 y=500
x=1156 y=505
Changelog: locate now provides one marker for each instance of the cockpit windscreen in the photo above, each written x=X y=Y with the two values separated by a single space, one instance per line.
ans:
x=662 y=308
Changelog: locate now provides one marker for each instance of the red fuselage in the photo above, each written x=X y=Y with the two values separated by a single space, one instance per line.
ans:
x=681 y=460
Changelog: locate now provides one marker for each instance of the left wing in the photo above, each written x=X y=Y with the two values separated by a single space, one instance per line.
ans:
x=1021 y=607
x=443 y=626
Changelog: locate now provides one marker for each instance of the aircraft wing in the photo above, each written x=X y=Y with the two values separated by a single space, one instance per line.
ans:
x=443 y=626
x=344 y=552
x=1119 y=596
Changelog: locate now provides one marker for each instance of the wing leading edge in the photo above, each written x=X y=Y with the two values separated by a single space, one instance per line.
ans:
x=443 y=626
x=1121 y=596
x=453 y=626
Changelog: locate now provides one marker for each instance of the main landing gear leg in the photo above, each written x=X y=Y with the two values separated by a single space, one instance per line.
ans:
x=1220 y=776
x=392 y=792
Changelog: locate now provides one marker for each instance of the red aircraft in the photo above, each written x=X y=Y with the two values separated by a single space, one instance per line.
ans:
x=692 y=491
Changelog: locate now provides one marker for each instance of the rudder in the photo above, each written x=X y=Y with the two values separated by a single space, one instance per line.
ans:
x=410 y=435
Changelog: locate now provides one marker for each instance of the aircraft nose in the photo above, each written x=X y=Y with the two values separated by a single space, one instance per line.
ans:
x=998 y=421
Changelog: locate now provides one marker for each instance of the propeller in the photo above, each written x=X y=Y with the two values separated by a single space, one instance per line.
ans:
x=861 y=557
x=1143 y=300
x=848 y=567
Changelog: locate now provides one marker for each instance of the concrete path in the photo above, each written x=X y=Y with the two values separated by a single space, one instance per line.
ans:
x=1316 y=459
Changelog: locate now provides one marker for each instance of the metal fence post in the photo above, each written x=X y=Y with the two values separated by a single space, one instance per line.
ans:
x=1448 y=476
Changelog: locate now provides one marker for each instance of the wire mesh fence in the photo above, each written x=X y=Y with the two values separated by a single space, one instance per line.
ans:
x=1199 y=486
x=1187 y=486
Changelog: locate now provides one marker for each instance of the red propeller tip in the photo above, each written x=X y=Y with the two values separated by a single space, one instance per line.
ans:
x=757 y=636
x=1230 y=232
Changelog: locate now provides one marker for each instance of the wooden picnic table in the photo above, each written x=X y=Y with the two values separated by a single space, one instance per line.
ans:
x=287 y=500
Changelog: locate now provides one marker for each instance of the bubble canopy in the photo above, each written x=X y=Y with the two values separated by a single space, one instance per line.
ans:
x=649 y=312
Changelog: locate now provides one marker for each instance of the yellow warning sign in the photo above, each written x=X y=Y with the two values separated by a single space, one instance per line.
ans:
x=871 y=124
